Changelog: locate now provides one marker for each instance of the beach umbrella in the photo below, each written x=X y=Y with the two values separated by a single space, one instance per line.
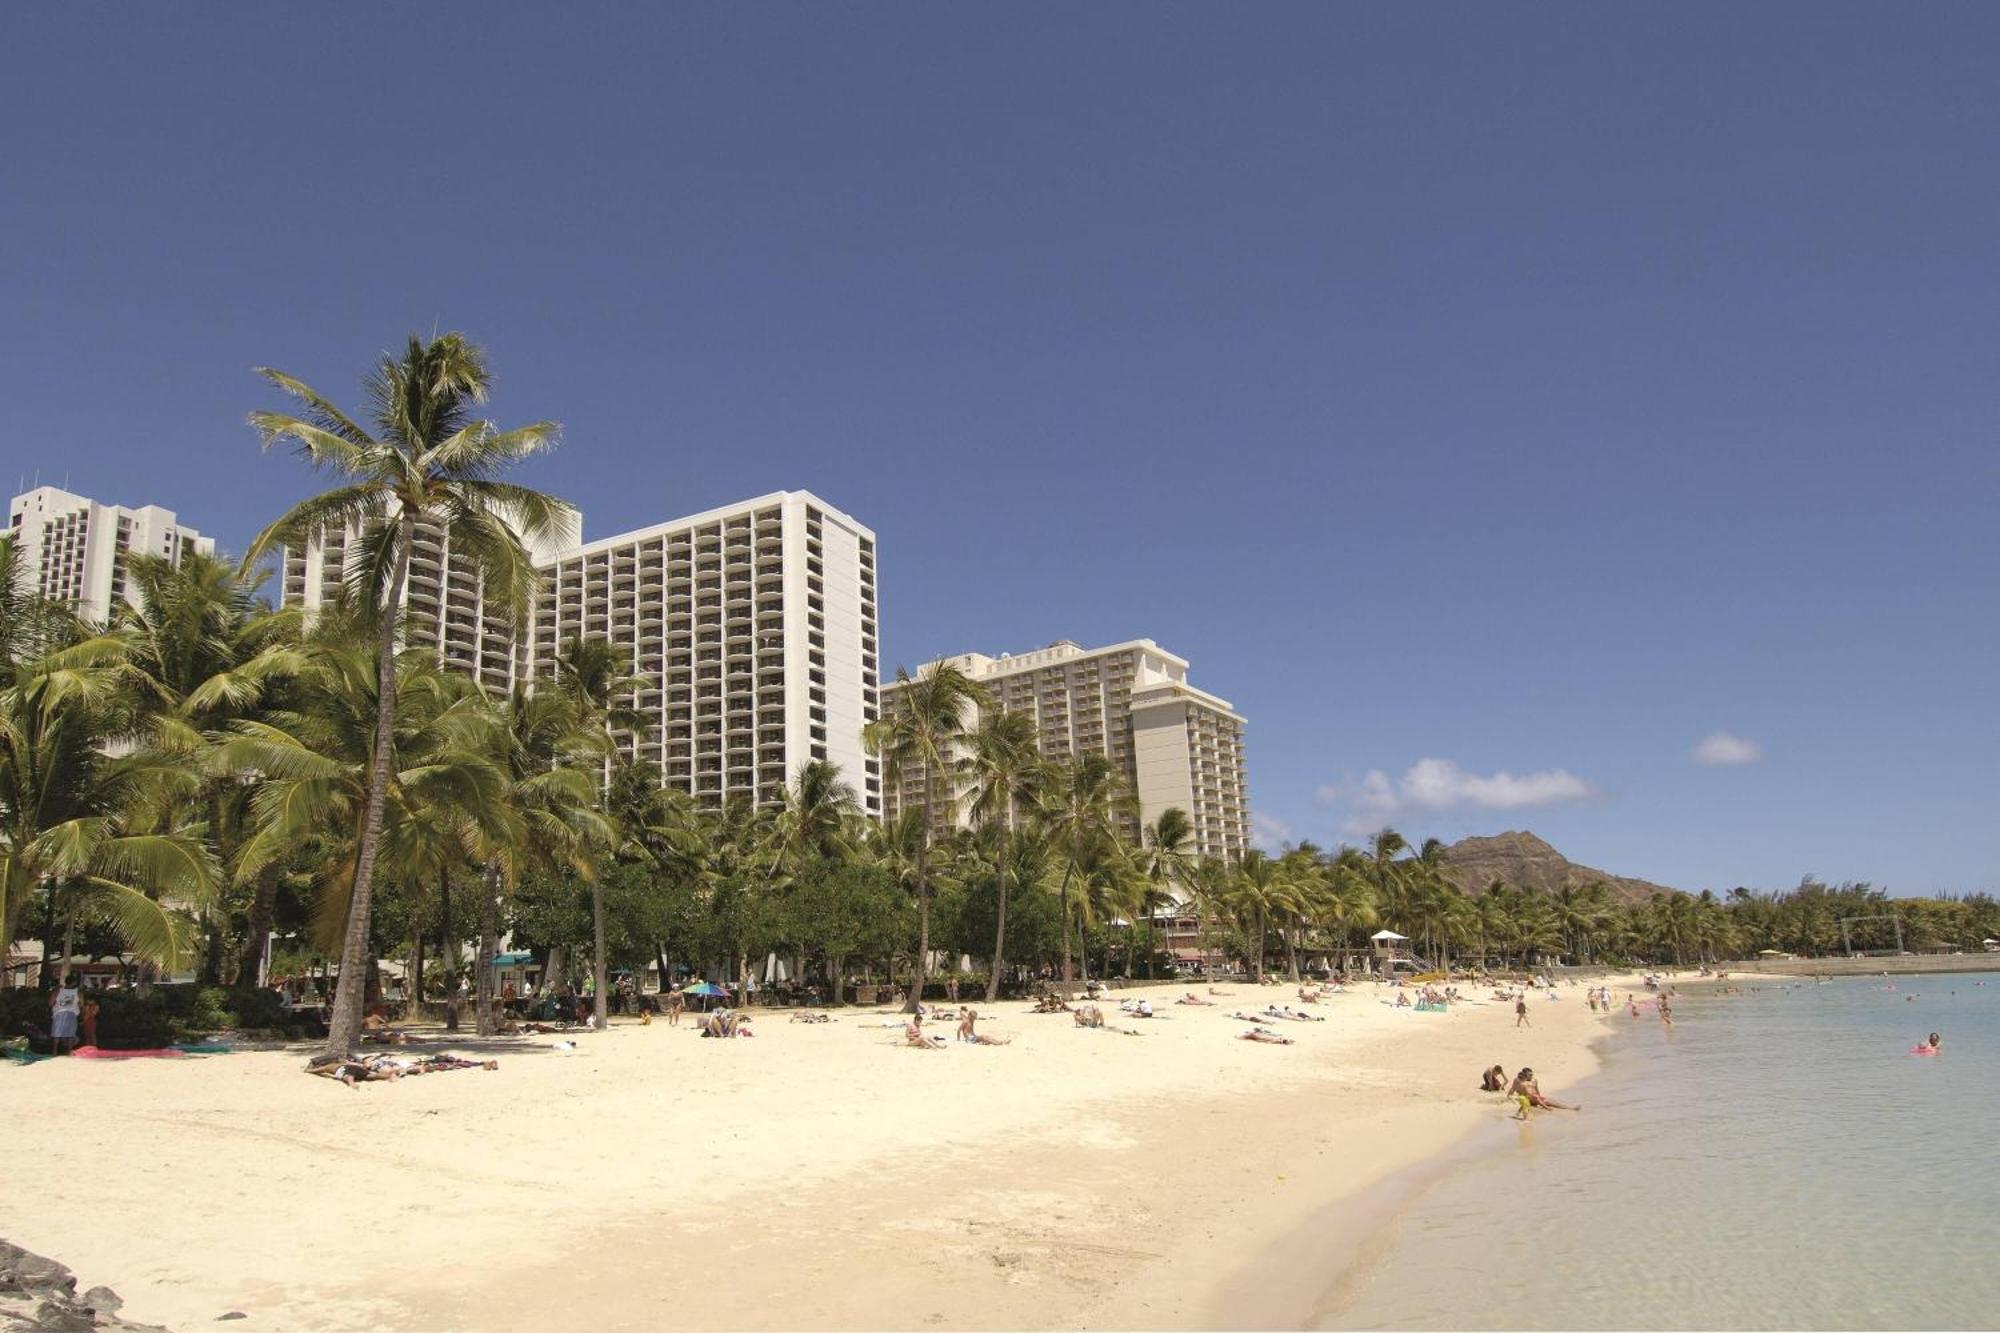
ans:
x=705 y=988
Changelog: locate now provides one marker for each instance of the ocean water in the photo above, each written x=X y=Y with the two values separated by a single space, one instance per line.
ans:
x=1777 y=1160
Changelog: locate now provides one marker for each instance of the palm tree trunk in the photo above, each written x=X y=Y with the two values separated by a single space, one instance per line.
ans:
x=1258 y=944
x=489 y=940
x=448 y=951
x=999 y=930
x=1068 y=969
x=343 y=1034
x=920 y=973
x=601 y=1018
x=1292 y=954
x=250 y=973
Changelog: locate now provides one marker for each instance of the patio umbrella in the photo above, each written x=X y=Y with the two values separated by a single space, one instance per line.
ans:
x=705 y=988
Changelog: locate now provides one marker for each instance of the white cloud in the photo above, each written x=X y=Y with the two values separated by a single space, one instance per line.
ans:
x=1719 y=747
x=1268 y=831
x=1441 y=784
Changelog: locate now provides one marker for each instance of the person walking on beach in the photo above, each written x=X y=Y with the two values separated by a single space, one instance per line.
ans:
x=1521 y=1012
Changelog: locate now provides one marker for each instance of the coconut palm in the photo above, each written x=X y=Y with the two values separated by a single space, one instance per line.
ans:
x=1004 y=766
x=924 y=732
x=1258 y=890
x=1080 y=803
x=818 y=818
x=65 y=804
x=554 y=823
x=430 y=462
x=596 y=678
x=1165 y=857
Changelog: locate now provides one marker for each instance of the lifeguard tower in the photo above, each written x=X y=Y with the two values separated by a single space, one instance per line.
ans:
x=1392 y=955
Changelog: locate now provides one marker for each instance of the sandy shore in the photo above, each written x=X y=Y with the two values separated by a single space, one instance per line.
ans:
x=815 y=1176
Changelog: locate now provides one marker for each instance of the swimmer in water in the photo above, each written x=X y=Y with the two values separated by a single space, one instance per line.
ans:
x=1935 y=1042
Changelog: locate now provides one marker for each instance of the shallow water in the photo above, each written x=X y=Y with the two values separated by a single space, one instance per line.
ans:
x=1777 y=1160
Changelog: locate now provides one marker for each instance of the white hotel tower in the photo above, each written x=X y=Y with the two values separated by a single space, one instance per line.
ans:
x=74 y=550
x=753 y=625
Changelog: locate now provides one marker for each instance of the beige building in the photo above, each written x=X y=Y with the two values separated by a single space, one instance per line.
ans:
x=74 y=549
x=753 y=625
x=1131 y=702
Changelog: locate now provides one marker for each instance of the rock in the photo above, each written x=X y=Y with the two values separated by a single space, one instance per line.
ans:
x=50 y=1288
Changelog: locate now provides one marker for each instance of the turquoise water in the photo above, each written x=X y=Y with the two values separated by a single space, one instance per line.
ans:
x=1777 y=1160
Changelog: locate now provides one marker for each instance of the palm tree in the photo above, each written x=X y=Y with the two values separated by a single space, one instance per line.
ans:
x=429 y=461
x=818 y=818
x=595 y=677
x=1257 y=890
x=1079 y=804
x=548 y=762
x=1005 y=766
x=1166 y=859
x=210 y=652
x=924 y=732
x=66 y=820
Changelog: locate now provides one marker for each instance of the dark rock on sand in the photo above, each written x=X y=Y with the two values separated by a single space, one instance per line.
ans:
x=38 y=1295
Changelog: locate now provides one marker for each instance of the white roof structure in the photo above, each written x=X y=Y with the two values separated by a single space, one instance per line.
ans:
x=1387 y=935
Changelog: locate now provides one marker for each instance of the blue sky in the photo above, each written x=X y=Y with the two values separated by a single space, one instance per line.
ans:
x=1494 y=402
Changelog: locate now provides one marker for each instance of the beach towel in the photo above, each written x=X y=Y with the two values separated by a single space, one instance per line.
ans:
x=21 y=1055
x=155 y=1053
x=205 y=1047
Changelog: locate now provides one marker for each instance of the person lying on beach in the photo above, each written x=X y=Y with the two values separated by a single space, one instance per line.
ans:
x=968 y=1030
x=1089 y=1016
x=1528 y=1092
x=914 y=1035
x=1264 y=1035
x=1494 y=1079
x=1291 y=1014
x=1192 y=998
x=807 y=1016
x=1052 y=1004
x=1137 y=1008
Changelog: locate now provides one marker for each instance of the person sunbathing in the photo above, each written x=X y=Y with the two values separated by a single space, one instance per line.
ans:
x=1089 y=1016
x=1290 y=1014
x=1137 y=1008
x=1192 y=998
x=1264 y=1035
x=1527 y=1092
x=968 y=1030
x=914 y=1035
x=1052 y=1004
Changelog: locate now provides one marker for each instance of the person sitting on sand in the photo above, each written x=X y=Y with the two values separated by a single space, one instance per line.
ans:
x=1402 y=999
x=1264 y=1035
x=1494 y=1079
x=914 y=1035
x=968 y=1030
x=1528 y=1092
x=1089 y=1016
x=1137 y=1008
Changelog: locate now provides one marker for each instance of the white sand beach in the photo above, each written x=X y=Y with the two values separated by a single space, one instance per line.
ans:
x=819 y=1176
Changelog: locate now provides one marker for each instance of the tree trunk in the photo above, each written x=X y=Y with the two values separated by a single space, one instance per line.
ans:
x=999 y=930
x=1258 y=944
x=836 y=970
x=448 y=951
x=343 y=1033
x=1292 y=955
x=919 y=973
x=666 y=972
x=416 y=977
x=484 y=1020
x=1068 y=970
x=68 y=944
x=601 y=1014
x=257 y=941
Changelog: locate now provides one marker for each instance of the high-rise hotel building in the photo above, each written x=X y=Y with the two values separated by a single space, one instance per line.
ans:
x=74 y=549
x=753 y=626
x=1131 y=702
